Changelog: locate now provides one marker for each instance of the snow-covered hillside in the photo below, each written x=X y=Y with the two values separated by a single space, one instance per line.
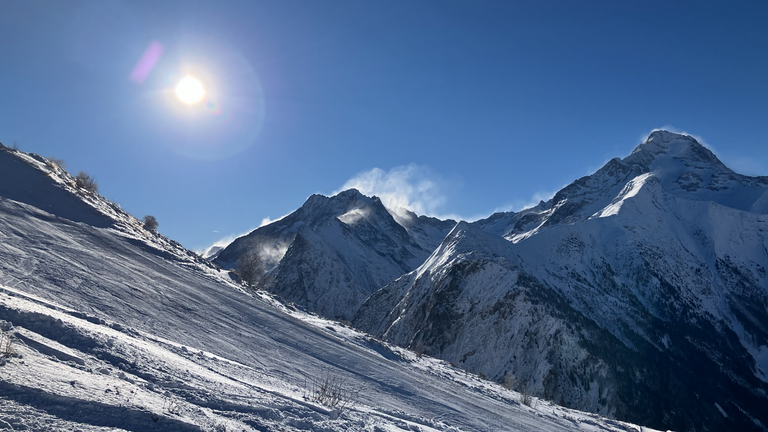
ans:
x=639 y=292
x=107 y=326
x=333 y=252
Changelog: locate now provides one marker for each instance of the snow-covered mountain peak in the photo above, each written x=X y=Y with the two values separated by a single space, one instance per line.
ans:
x=688 y=170
x=333 y=252
x=666 y=164
x=657 y=141
x=661 y=145
x=319 y=207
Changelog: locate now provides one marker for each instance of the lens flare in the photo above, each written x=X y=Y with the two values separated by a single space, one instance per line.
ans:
x=189 y=90
x=147 y=62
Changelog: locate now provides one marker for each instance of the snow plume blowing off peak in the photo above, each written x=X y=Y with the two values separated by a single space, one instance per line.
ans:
x=669 y=132
x=403 y=188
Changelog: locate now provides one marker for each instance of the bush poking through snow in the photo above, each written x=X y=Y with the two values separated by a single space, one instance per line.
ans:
x=419 y=348
x=172 y=406
x=56 y=162
x=150 y=223
x=509 y=382
x=84 y=181
x=331 y=390
x=6 y=340
x=525 y=396
x=523 y=388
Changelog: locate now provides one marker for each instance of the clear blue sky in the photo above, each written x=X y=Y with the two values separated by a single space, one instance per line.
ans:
x=484 y=105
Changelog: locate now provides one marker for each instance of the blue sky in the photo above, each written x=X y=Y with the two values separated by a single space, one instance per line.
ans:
x=453 y=108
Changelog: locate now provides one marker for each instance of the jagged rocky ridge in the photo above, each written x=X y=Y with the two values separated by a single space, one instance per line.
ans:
x=638 y=292
x=349 y=242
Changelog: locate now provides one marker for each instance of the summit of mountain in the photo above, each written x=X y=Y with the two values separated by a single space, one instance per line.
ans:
x=683 y=167
x=330 y=254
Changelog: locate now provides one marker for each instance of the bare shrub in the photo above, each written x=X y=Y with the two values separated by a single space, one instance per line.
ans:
x=331 y=390
x=56 y=162
x=6 y=340
x=523 y=388
x=419 y=347
x=248 y=268
x=509 y=381
x=15 y=146
x=84 y=181
x=172 y=406
x=150 y=223
x=525 y=395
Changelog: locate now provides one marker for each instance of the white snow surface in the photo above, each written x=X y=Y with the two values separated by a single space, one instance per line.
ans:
x=115 y=328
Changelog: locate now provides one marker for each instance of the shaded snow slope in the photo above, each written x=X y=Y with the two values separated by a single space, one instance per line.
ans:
x=333 y=252
x=115 y=328
x=635 y=292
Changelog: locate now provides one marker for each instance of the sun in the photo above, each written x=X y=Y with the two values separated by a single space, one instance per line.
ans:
x=189 y=90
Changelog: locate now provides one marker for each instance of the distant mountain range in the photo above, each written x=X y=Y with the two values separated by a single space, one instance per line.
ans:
x=638 y=292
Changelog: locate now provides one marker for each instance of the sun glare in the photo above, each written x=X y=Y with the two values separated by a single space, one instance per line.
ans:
x=189 y=90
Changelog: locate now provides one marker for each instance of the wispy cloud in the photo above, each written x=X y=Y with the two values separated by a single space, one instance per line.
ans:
x=413 y=187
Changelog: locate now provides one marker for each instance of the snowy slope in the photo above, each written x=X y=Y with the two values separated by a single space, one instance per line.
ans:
x=333 y=252
x=639 y=292
x=115 y=328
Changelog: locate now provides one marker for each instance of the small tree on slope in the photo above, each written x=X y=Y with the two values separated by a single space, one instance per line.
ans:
x=248 y=268
x=84 y=181
x=150 y=223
